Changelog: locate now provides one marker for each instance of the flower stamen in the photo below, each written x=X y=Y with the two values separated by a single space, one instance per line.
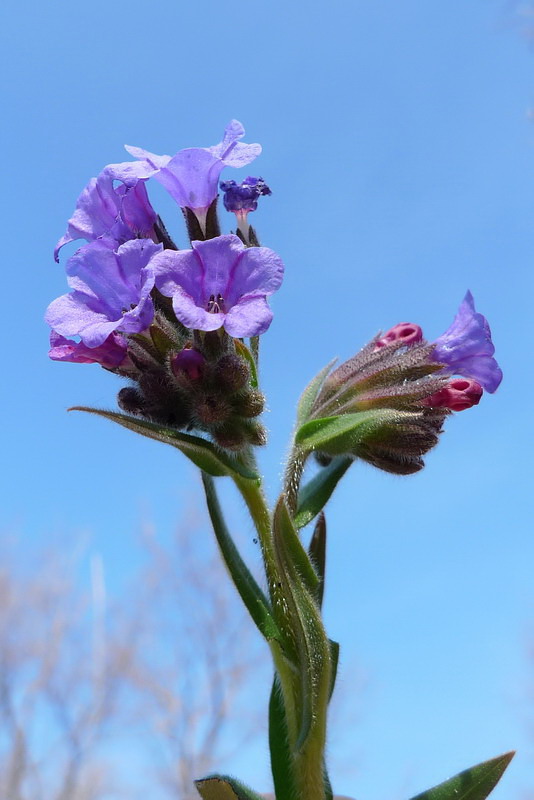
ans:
x=215 y=305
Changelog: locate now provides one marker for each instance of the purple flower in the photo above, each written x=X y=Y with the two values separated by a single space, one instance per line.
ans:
x=111 y=353
x=191 y=176
x=243 y=197
x=111 y=292
x=118 y=213
x=466 y=347
x=220 y=282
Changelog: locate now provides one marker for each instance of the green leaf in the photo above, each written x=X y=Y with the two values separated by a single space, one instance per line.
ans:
x=472 y=784
x=254 y=599
x=342 y=434
x=281 y=760
x=223 y=787
x=315 y=494
x=204 y=454
x=310 y=393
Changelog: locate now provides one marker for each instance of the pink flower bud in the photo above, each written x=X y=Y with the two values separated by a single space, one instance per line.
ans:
x=405 y=332
x=189 y=362
x=457 y=395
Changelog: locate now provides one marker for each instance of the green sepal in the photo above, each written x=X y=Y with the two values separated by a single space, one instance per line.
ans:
x=254 y=599
x=223 y=787
x=315 y=494
x=317 y=553
x=334 y=659
x=243 y=351
x=471 y=784
x=281 y=759
x=310 y=393
x=204 y=454
x=343 y=434
x=299 y=589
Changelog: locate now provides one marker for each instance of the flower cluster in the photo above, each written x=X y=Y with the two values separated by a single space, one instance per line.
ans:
x=170 y=320
x=409 y=385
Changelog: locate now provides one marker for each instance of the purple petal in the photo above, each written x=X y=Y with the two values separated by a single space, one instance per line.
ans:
x=251 y=316
x=111 y=292
x=191 y=177
x=232 y=152
x=194 y=316
x=110 y=354
x=259 y=270
x=180 y=270
x=466 y=347
x=102 y=209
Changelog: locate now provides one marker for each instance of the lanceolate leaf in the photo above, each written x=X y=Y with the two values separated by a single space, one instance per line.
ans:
x=204 y=454
x=310 y=393
x=341 y=434
x=222 y=787
x=254 y=599
x=281 y=760
x=315 y=494
x=472 y=784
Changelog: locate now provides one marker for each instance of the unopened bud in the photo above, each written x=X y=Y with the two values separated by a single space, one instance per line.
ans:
x=405 y=332
x=250 y=404
x=188 y=363
x=212 y=409
x=131 y=401
x=457 y=395
x=232 y=373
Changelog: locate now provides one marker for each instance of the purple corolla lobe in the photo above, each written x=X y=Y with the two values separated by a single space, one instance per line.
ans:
x=110 y=354
x=220 y=283
x=106 y=210
x=192 y=175
x=111 y=292
x=466 y=347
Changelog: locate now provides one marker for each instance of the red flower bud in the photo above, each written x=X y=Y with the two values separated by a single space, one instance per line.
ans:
x=406 y=332
x=457 y=395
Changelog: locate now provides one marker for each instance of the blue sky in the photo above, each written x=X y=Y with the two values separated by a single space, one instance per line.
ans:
x=398 y=144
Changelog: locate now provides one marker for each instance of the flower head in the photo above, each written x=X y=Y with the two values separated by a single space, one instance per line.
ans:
x=192 y=175
x=118 y=213
x=466 y=347
x=111 y=292
x=220 y=283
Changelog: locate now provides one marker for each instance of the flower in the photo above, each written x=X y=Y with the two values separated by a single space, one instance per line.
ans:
x=110 y=354
x=111 y=292
x=191 y=176
x=118 y=213
x=466 y=347
x=220 y=283
x=243 y=197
